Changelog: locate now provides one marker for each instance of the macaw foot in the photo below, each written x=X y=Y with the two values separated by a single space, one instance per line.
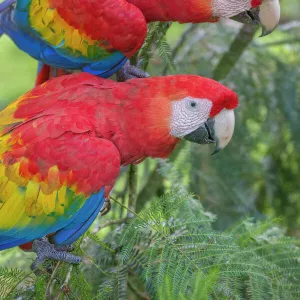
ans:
x=128 y=71
x=106 y=207
x=5 y=4
x=45 y=250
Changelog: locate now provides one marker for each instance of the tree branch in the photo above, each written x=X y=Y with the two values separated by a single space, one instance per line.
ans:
x=132 y=183
x=47 y=293
x=110 y=223
x=278 y=43
x=64 y=288
x=235 y=51
x=155 y=181
x=137 y=292
x=180 y=43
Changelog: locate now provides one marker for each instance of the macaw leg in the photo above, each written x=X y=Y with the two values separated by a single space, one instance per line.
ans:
x=45 y=250
x=128 y=71
x=106 y=207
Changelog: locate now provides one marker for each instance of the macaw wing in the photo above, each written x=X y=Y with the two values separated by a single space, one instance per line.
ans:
x=84 y=31
x=51 y=183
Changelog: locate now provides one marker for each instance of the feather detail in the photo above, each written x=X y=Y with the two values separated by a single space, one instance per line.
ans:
x=187 y=11
x=74 y=51
x=48 y=202
x=34 y=207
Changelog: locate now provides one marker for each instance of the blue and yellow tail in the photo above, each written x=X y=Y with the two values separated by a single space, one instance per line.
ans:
x=13 y=23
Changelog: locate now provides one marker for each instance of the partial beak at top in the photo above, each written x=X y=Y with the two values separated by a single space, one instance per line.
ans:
x=218 y=130
x=224 y=128
x=267 y=15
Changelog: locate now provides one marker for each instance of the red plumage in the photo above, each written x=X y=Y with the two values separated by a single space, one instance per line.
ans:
x=83 y=124
x=256 y=3
x=72 y=134
x=119 y=24
x=187 y=11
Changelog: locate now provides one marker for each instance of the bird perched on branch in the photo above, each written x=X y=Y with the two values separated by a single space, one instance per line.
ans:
x=62 y=145
x=98 y=36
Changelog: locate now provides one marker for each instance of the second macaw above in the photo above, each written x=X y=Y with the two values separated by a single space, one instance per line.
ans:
x=98 y=36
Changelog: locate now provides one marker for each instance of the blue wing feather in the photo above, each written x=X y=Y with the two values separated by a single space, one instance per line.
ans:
x=68 y=228
x=81 y=222
x=14 y=23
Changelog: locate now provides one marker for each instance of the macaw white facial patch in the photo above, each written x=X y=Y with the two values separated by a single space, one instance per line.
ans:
x=230 y=8
x=189 y=114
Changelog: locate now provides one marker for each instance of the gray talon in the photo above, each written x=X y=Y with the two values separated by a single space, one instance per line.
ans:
x=45 y=250
x=106 y=207
x=66 y=248
x=128 y=71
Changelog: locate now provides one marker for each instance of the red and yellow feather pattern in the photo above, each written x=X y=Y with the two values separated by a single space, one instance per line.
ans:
x=48 y=169
x=89 y=28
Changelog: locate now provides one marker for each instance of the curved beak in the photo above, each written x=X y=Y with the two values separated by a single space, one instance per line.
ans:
x=267 y=15
x=218 y=130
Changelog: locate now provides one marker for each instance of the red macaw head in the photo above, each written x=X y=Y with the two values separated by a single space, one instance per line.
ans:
x=188 y=107
x=206 y=115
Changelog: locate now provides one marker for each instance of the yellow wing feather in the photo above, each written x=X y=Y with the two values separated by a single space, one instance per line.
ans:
x=23 y=202
x=55 y=30
x=48 y=202
x=34 y=208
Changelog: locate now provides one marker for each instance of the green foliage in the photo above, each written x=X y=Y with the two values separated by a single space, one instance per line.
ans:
x=174 y=248
x=171 y=251
x=258 y=173
x=9 y=280
x=156 y=40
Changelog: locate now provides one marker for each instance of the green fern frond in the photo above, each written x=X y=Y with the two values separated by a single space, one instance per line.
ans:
x=9 y=280
x=179 y=250
x=156 y=38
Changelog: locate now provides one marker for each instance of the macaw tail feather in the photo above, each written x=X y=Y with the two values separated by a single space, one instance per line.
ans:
x=6 y=15
x=5 y=4
x=46 y=72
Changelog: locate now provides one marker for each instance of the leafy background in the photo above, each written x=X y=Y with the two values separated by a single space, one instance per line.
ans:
x=255 y=179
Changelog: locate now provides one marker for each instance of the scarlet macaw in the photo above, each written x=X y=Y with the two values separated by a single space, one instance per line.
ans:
x=62 y=145
x=98 y=36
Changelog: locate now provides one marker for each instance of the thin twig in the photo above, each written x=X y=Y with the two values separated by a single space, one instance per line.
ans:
x=132 y=183
x=142 y=60
x=279 y=43
x=64 y=287
x=180 y=43
x=155 y=181
x=290 y=25
x=110 y=223
x=51 y=278
x=137 y=292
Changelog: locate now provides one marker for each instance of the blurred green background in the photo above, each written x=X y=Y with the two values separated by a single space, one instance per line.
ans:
x=258 y=174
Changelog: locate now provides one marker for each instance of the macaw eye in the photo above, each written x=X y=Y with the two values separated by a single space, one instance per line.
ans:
x=192 y=105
